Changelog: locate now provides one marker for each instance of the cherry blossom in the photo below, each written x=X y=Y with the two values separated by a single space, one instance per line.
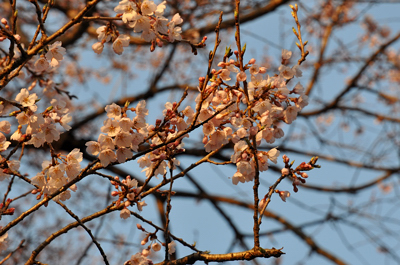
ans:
x=55 y=54
x=4 y=144
x=171 y=247
x=120 y=42
x=286 y=54
x=148 y=8
x=98 y=47
x=124 y=213
x=41 y=64
x=26 y=99
x=103 y=34
x=284 y=195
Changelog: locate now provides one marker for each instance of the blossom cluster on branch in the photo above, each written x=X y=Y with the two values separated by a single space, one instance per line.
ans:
x=236 y=104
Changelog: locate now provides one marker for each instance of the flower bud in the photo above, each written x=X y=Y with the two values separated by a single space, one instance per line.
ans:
x=98 y=47
x=156 y=247
x=304 y=175
x=145 y=252
x=261 y=204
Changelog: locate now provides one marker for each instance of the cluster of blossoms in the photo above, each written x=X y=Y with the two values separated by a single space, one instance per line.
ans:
x=154 y=163
x=121 y=134
x=141 y=258
x=145 y=18
x=57 y=173
x=51 y=58
x=268 y=102
x=128 y=192
x=7 y=167
x=298 y=175
x=6 y=33
x=40 y=127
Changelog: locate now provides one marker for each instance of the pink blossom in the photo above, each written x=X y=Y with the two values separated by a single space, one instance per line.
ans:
x=124 y=213
x=121 y=42
x=171 y=247
x=106 y=157
x=123 y=139
x=123 y=154
x=286 y=54
x=273 y=155
x=5 y=126
x=41 y=64
x=257 y=81
x=98 y=47
x=156 y=247
x=75 y=156
x=208 y=128
x=174 y=33
x=284 y=195
x=55 y=53
x=261 y=204
x=65 y=120
x=25 y=99
x=254 y=69
x=50 y=133
x=72 y=170
x=102 y=35
x=290 y=114
x=111 y=127
x=160 y=9
x=93 y=147
x=285 y=171
x=176 y=19
x=148 y=8
x=286 y=72
x=140 y=205
x=161 y=25
x=297 y=71
x=241 y=76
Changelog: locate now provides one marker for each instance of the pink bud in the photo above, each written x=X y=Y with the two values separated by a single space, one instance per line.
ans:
x=4 y=21
x=139 y=226
x=285 y=171
x=156 y=247
x=304 y=175
x=252 y=61
x=127 y=203
x=114 y=193
x=145 y=252
x=261 y=204
x=262 y=70
x=284 y=195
